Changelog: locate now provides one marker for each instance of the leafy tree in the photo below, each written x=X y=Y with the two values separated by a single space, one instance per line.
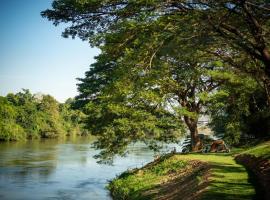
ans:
x=179 y=84
x=50 y=110
x=23 y=116
x=189 y=37
x=238 y=109
x=72 y=118
x=126 y=51
x=238 y=31
x=26 y=112
x=9 y=130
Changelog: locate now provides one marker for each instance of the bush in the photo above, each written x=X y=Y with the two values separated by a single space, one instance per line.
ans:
x=10 y=131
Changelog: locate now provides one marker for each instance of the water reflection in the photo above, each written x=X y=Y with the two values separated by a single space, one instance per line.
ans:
x=53 y=169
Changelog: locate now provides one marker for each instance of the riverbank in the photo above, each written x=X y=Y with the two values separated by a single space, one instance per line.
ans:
x=192 y=176
x=257 y=160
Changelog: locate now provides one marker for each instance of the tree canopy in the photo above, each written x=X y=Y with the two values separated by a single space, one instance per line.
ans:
x=27 y=116
x=168 y=61
x=240 y=26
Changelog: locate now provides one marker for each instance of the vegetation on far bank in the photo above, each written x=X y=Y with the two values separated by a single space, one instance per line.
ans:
x=225 y=179
x=27 y=116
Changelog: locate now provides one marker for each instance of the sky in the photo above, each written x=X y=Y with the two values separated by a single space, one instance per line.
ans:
x=34 y=56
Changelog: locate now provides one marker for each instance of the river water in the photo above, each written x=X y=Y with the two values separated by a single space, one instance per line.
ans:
x=61 y=170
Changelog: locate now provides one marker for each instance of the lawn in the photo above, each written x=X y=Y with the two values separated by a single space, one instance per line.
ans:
x=132 y=184
x=226 y=180
x=261 y=150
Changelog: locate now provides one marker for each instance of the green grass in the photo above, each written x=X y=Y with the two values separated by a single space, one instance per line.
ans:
x=261 y=150
x=228 y=180
x=132 y=184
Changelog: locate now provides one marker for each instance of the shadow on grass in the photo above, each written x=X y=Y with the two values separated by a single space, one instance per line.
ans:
x=260 y=193
x=191 y=186
x=215 y=195
x=229 y=183
x=228 y=168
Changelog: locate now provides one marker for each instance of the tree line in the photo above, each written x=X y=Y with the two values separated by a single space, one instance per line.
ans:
x=28 y=116
x=163 y=64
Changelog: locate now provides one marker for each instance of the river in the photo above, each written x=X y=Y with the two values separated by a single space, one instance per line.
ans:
x=61 y=169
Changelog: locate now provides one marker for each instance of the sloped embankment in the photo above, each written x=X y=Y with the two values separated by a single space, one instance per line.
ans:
x=257 y=161
x=168 y=178
x=189 y=185
x=186 y=177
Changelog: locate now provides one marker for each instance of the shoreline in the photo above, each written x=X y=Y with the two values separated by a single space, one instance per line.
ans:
x=202 y=176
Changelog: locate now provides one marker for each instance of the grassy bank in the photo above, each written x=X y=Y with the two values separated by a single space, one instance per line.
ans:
x=203 y=176
x=257 y=161
x=157 y=178
x=262 y=150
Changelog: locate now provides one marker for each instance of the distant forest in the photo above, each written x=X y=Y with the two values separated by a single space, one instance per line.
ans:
x=32 y=116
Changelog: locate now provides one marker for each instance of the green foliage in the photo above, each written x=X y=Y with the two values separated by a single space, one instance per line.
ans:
x=130 y=185
x=236 y=32
x=168 y=166
x=118 y=120
x=10 y=131
x=165 y=61
x=26 y=116
x=228 y=179
x=239 y=109
x=261 y=150
x=232 y=132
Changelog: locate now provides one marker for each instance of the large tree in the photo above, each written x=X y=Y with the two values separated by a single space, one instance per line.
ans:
x=131 y=103
x=234 y=27
x=177 y=71
x=144 y=35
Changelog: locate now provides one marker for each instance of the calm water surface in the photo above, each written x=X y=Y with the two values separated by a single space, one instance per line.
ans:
x=51 y=169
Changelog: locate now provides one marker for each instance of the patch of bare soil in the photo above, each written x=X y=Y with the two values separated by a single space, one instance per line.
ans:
x=188 y=185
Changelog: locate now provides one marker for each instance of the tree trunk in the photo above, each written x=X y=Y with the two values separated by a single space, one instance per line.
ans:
x=266 y=60
x=196 y=144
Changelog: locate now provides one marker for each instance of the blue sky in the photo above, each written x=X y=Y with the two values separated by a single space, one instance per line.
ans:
x=33 y=55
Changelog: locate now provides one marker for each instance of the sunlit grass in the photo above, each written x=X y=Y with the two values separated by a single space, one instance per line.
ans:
x=262 y=150
x=132 y=184
x=228 y=180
